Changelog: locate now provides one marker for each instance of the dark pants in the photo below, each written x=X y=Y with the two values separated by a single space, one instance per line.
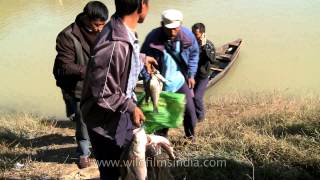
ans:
x=82 y=137
x=199 y=90
x=105 y=150
x=190 y=117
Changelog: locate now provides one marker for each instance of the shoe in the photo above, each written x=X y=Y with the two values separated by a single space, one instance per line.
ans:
x=201 y=119
x=84 y=162
x=190 y=139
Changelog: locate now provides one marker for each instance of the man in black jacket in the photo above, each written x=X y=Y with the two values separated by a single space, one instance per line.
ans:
x=73 y=48
x=206 y=59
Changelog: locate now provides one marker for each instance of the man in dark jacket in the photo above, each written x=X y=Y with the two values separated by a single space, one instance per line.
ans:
x=177 y=53
x=73 y=47
x=207 y=59
x=108 y=106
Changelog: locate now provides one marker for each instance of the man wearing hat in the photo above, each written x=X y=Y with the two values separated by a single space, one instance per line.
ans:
x=177 y=52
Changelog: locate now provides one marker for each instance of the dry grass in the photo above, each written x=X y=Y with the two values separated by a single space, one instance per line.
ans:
x=33 y=142
x=258 y=136
x=279 y=137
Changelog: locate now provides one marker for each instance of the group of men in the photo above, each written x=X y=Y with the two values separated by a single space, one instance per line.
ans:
x=98 y=64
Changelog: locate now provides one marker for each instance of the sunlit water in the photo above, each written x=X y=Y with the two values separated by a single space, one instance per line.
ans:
x=281 y=44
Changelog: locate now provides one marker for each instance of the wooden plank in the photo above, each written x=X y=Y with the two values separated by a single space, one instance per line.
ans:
x=226 y=56
x=216 y=69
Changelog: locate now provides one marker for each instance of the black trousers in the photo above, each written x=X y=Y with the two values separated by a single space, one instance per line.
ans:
x=105 y=150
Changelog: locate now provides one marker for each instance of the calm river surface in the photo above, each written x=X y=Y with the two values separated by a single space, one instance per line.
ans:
x=280 y=50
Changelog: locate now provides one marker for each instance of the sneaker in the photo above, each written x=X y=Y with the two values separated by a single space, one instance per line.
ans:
x=84 y=162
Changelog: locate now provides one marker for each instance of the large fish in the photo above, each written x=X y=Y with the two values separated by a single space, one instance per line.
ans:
x=136 y=154
x=154 y=88
x=136 y=168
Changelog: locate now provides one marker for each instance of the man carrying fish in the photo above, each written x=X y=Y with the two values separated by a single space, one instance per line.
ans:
x=107 y=103
x=177 y=53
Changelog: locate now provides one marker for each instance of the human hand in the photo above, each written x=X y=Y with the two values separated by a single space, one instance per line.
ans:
x=138 y=117
x=191 y=83
x=150 y=62
x=203 y=39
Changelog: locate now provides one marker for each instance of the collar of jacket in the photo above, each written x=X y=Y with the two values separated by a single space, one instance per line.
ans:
x=119 y=31
x=77 y=33
x=159 y=36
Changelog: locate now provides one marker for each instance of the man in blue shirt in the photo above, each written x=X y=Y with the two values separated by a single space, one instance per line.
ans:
x=176 y=50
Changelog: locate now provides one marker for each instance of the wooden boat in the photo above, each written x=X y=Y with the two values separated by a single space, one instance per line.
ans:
x=226 y=55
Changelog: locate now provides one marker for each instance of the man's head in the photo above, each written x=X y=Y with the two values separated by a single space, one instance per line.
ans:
x=171 y=21
x=198 y=29
x=128 y=7
x=97 y=14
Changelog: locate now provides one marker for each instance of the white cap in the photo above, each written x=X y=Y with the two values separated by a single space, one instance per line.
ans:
x=172 y=18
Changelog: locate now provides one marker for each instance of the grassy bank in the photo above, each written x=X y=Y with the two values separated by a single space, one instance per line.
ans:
x=266 y=137
x=256 y=137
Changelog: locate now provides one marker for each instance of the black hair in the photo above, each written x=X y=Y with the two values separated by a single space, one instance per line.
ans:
x=199 y=26
x=126 y=7
x=96 y=10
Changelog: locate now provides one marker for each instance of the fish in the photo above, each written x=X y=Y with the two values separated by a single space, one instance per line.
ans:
x=154 y=88
x=135 y=155
x=160 y=141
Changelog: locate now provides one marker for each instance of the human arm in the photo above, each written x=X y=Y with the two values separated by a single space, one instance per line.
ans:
x=193 y=61
x=107 y=77
x=65 y=62
x=210 y=51
x=138 y=117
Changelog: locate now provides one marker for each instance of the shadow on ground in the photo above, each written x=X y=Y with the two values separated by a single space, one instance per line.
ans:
x=60 y=123
x=6 y=136
x=307 y=129
x=56 y=148
x=239 y=171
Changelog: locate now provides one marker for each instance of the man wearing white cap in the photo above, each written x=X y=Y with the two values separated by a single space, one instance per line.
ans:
x=177 y=52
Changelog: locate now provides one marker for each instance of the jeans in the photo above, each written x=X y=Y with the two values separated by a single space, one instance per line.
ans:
x=74 y=113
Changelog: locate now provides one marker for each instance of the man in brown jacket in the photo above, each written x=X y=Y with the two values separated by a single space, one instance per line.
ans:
x=107 y=103
x=73 y=47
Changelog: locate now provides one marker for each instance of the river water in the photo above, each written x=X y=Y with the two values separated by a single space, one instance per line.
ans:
x=281 y=40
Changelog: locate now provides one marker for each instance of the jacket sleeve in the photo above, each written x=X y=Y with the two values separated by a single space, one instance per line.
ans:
x=65 y=61
x=210 y=52
x=146 y=45
x=145 y=49
x=193 y=58
x=105 y=76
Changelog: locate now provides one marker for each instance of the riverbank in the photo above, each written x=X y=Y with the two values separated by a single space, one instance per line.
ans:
x=261 y=137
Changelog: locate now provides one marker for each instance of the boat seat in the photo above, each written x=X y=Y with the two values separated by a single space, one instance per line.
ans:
x=224 y=57
x=216 y=69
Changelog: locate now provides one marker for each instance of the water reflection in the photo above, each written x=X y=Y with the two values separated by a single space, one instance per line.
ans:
x=281 y=39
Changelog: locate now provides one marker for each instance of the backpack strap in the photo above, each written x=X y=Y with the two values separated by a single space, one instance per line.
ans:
x=82 y=58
